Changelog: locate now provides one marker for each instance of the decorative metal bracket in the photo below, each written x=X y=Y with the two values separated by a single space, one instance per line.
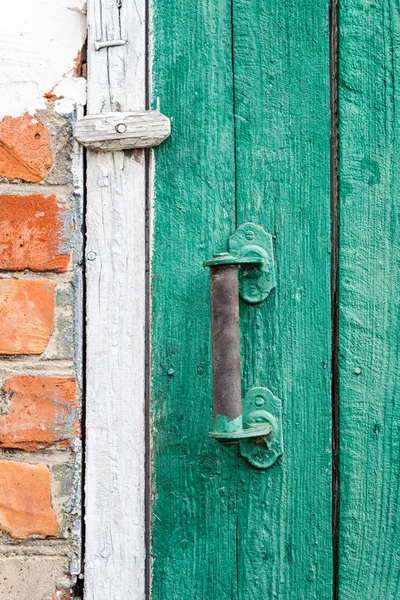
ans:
x=248 y=268
x=122 y=130
x=257 y=279
x=261 y=407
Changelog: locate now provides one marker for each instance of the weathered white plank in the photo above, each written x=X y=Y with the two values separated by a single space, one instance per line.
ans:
x=115 y=267
x=112 y=132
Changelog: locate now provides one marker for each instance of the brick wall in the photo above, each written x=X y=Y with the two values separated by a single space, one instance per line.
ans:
x=40 y=348
x=40 y=338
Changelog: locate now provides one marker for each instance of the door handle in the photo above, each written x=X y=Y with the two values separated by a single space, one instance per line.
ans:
x=248 y=271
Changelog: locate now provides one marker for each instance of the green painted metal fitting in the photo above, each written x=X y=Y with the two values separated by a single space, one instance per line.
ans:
x=257 y=430
x=251 y=249
x=254 y=422
x=224 y=258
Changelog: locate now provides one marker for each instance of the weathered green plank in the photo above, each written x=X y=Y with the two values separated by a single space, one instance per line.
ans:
x=220 y=528
x=195 y=480
x=369 y=292
x=281 y=66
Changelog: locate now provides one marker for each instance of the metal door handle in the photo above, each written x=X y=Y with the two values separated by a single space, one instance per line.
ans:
x=247 y=270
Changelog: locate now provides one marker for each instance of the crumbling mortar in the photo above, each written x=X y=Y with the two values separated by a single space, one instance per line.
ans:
x=62 y=191
x=59 y=278
x=5 y=400
x=60 y=129
x=49 y=456
x=30 y=547
x=34 y=365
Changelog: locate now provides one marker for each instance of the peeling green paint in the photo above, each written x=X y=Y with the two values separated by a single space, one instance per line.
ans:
x=222 y=424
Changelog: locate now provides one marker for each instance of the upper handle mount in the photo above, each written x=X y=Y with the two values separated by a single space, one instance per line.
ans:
x=251 y=248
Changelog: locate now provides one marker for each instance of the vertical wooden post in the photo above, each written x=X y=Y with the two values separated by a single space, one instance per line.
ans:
x=115 y=280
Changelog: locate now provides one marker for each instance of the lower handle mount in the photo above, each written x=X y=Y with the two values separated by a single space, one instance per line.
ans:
x=258 y=431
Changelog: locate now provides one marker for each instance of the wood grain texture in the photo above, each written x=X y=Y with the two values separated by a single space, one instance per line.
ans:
x=369 y=318
x=221 y=529
x=281 y=67
x=195 y=479
x=115 y=279
x=122 y=130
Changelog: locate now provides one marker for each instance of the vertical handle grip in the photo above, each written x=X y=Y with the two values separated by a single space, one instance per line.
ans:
x=247 y=272
x=224 y=287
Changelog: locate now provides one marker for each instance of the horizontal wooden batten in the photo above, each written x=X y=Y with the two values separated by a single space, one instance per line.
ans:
x=115 y=131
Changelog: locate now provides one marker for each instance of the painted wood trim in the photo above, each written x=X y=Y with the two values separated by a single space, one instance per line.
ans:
x=122 y=130
x=115 y=284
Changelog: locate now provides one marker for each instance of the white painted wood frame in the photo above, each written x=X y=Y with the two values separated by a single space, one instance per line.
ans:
x=115 y=288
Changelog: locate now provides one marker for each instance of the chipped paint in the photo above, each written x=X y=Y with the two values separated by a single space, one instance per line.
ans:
x=74 y=508
x=75 y=500
x=38 y=49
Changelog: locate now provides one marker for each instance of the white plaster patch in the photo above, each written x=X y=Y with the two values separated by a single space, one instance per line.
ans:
x=78 y=5
x=70 y=90
x=39 y=42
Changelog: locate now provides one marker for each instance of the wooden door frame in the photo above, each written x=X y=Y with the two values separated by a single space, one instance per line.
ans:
x=116 y=290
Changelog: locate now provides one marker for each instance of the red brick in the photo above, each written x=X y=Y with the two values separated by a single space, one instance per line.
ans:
x=25 y=507
x=32 y=233
x=44 y=411
x=25 y=151
x=26 y=315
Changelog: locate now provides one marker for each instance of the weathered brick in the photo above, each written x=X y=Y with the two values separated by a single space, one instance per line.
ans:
x=32 y=233
x=25 y=507
x=26 y=315
x=25 y=151
x=43 y=411
x=33 y=577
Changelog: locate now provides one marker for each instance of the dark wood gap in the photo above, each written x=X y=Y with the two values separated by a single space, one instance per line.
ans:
x=334 y=162
x=147 y=488
x=234 y=111
x=78 y=588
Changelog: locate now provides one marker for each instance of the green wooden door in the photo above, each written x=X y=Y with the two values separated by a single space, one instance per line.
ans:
x=251 y=89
